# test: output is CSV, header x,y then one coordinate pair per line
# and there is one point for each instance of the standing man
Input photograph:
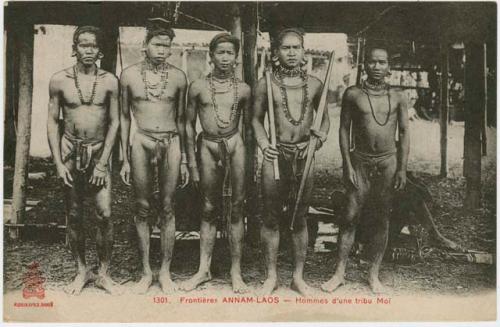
x,y
296,95
154,90
377,166
219,100
88,97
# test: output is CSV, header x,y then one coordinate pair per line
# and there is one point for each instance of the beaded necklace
x,y
279,75
79,90
233,83
366,87
151,89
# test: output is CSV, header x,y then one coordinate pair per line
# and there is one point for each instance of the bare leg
x,y
74,211
300,239
208,228
384,191
104,237
235,226
168,177
142,182
355,201
270,228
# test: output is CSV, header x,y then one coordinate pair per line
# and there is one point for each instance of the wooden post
x,y
236,31
25,48
484,138
474,97
443,121
249,50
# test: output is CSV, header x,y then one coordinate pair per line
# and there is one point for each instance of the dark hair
x,y
87,29
224,37
292,30
376,46
158,26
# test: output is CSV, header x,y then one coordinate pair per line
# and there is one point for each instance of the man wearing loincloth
x,y
218,100
88,97
155,92
376,166
295,96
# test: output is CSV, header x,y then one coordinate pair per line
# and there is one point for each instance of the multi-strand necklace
x,y
366,87
79,90
280,74
232,84
154,90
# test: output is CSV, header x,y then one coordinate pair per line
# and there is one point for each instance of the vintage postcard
x,y
249,161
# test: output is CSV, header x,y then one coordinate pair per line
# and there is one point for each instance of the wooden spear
x,y
270,115
314,140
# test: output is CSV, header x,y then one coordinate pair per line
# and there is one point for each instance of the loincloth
x,y
162,142
292,157
225,163
82,151
372,164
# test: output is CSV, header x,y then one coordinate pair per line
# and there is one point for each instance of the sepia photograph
x,y
256,161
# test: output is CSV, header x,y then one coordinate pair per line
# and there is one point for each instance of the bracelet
x,y
101,170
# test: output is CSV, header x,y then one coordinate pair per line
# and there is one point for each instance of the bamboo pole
x,y
444,112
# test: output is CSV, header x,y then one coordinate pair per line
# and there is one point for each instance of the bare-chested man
x,y
155,92
88,97
295,96
219,100
377,166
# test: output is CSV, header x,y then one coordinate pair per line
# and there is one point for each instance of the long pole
x,y
25,42
443,121
313,140
270,115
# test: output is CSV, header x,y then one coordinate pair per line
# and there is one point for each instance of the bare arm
x,y
181,115
404,135
404,144
345,129
245,110
53,133
125,127
125,117
192,101
181,127
259,113
114,121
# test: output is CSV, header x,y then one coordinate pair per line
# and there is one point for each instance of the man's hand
x,y
195,177
321,136
350,176
64,174
99,175
400,180
184,175
125,172
270,153
319,144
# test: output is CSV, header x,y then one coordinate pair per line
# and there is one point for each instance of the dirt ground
x,y
473,230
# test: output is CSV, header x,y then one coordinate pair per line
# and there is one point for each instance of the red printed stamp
x,y
33,282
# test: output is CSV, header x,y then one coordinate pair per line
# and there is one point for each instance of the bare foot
x,y
166,283
268,287
239,285
377,287
81,279
142,286
106,283
198,279
332,284
299,285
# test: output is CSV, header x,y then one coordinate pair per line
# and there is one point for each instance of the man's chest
x,y
141,89
84,92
